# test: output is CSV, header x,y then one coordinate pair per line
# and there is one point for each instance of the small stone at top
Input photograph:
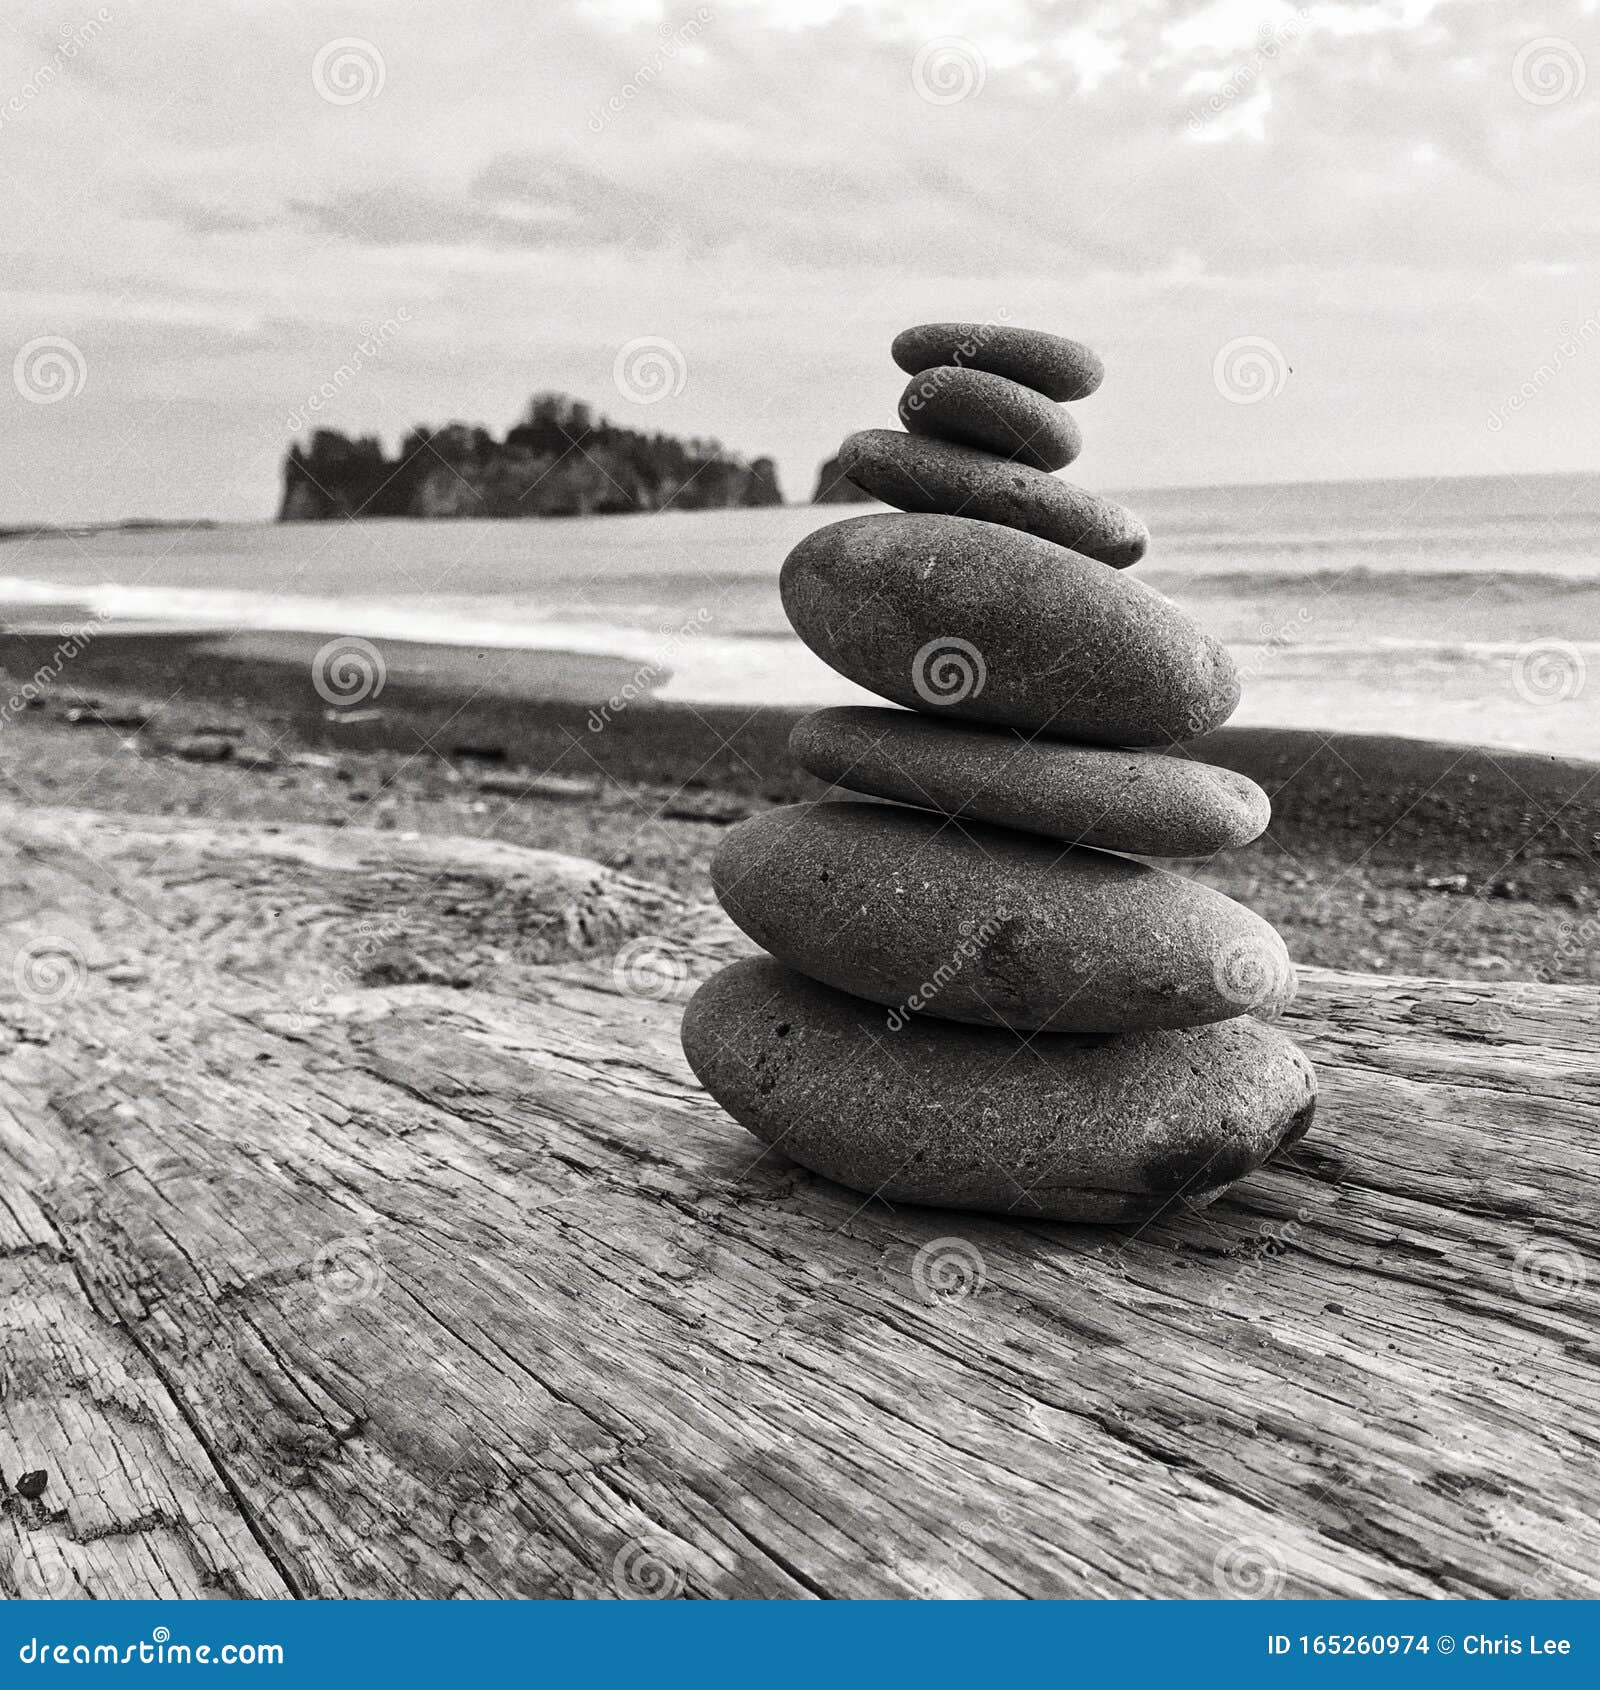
x,y
1049,363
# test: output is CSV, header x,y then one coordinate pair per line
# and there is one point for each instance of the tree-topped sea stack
x,y
976,995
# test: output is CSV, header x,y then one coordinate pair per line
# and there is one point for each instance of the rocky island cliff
x,y
834,487
560,460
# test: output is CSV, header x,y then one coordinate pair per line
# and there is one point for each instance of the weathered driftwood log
x,y
363,1233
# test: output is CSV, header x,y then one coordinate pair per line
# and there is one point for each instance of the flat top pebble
x,y
1049,363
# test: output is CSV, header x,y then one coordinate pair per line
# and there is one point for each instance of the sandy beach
x,y
1384,853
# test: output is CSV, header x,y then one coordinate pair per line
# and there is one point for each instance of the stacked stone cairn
x,y
976,994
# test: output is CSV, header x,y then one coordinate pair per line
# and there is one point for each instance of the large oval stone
x,y
991,414
1057,1125
1134,801
1049,363
975,923
948,615
915,474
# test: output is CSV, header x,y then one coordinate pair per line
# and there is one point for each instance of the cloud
x,y
1374,184
1256,139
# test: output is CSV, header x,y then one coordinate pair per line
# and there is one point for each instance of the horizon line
x,y
18,529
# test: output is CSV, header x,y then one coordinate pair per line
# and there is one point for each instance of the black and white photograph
x,y
800,799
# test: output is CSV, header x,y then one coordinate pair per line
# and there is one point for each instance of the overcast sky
x,y
1338,240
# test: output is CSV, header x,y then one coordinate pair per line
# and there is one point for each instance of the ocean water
x,y
1461,609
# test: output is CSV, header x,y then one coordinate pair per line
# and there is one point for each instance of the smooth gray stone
x,y
968,922
1070,1128
990,414
956,617
916,474
1135,801
1049,363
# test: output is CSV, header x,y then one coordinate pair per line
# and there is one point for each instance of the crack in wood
x,y
463,1290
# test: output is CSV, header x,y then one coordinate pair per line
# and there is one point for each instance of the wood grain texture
x,y
362,1232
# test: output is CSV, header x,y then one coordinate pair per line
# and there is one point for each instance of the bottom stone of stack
x,y
1112,1127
